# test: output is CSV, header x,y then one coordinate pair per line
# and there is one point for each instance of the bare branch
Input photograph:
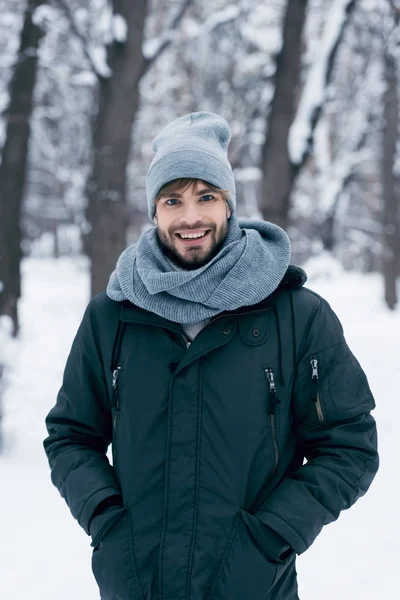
x,y
164,44
78,33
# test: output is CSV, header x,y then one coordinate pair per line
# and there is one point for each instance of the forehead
x,y
197,187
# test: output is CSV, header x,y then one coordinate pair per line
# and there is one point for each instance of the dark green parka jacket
x,y
208,444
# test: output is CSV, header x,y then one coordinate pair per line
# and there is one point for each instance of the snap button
x,y
226,331
256,332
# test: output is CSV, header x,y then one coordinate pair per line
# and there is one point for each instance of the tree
x,y
14,162
391,203
119,65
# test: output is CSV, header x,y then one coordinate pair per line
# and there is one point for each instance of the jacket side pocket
x,y
103,523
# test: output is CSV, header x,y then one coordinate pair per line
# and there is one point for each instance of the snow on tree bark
x,y
313,95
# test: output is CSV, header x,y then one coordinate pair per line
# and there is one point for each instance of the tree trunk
x,y
278,171
391,205
14,163
118,105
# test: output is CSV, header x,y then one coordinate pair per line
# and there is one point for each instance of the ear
x,y
155,218
228,211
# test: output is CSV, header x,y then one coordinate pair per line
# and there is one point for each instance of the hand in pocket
x,y
101,525
246,573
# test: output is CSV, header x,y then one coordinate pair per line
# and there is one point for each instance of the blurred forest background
x,y
310,88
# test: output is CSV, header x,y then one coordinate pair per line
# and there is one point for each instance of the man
x,y
239,418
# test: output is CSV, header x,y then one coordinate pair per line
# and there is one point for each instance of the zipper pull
x,y
271,379
314,366
272,390
115,376
315,380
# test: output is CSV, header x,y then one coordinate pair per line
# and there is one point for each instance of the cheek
x,y
164,224
223,217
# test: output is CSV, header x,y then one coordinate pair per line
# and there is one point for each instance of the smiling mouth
x,y
192,238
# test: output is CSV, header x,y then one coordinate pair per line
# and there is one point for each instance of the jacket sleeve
x,y
80,428
337,434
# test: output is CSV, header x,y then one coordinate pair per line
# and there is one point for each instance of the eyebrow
x,y
199,193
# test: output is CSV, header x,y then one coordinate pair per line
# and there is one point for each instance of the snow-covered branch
x,y
353,152
119,29
96,54
154,48
44,16
221,17
312,99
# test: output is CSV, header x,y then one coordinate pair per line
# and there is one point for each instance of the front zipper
x,y
316,395
273,401
186,339
115,404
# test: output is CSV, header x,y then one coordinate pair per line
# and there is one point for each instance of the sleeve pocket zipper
x,y
316,393
273,402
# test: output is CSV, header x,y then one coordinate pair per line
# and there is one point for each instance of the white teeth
x,y
192,236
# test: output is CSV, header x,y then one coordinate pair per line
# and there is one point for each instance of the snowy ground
x,y
45,555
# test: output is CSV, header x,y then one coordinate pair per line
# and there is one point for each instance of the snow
x,y
84,78
191,27
104,25
44,16
120,29
227,14
151,46
42,546
6,328
98,57
42,541
247,174
314,89
262,28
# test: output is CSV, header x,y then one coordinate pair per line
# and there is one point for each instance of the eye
x,y
207,197
172,201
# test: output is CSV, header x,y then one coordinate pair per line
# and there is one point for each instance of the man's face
x,y
192,224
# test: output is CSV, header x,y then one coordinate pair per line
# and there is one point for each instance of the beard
x,y
191,258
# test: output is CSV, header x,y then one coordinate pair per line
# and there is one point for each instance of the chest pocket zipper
x,y
316,392
115,402
115,406
115,372
273,402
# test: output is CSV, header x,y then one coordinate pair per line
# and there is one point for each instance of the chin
x,y
187,263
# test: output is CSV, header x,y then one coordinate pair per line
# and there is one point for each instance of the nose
x,y
191,213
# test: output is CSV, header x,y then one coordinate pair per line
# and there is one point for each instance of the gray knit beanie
x,y
192,146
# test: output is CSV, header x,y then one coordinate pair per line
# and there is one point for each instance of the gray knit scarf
x,y
249,267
